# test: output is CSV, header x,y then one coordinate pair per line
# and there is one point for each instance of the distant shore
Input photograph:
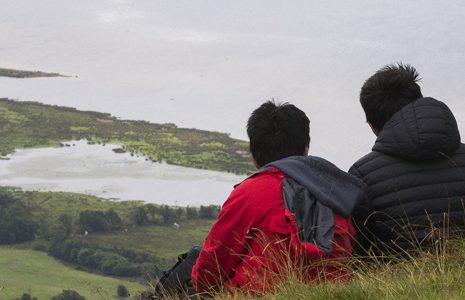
x,y
32,125
27,74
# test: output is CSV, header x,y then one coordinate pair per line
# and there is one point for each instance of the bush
x,y
122,291
168,214
113,219
110,261
66,223
83,257
16,223
153,211
191,212
40,247
98,221
95,261
26,296
208,212
125,268
62,249
93,221
68,295
139,216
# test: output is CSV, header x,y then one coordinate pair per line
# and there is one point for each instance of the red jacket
x,y
255,241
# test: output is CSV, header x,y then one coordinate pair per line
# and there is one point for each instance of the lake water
x,y
208,64
97,170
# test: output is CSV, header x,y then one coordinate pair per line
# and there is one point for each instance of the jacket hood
x,y
327,183
422,130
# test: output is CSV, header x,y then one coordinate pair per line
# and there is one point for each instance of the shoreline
x,y
14,73
96,170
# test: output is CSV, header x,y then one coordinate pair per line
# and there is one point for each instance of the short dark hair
x,y
277,131
387,91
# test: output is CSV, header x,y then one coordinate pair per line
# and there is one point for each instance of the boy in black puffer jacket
x,y
416,171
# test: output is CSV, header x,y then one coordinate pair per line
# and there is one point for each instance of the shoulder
x,y
371,160
376,161
376,167
268,178
266,185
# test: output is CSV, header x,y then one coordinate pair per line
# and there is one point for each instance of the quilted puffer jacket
x,y
416,180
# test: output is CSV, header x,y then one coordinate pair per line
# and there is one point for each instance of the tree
x,y
168,214
66,222
83,256
139,216
208,212
93,221
122,291
113,219
16,222
68,295
179,212
61,231
64,249
153,211
126,268
191,212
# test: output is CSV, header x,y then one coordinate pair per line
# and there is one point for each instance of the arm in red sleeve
x,y
225,244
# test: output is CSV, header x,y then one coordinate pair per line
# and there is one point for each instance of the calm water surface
x,y
97,170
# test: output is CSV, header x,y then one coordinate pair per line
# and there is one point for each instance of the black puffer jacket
x,y
415,177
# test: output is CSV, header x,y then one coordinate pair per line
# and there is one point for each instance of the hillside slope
x,y
27,271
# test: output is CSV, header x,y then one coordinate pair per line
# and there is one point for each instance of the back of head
x,y
277,131
387,91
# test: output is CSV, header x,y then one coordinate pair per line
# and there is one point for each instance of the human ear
x,y
255,162
306,150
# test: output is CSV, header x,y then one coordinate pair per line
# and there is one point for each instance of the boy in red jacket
x,y
291,217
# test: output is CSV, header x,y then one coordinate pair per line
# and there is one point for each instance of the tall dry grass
x,y
436,272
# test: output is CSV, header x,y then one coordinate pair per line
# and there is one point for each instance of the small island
x,y
26,74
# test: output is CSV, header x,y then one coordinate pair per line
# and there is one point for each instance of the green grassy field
x,y
438,274
167,241
27,271
31,124
163,241
49,205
